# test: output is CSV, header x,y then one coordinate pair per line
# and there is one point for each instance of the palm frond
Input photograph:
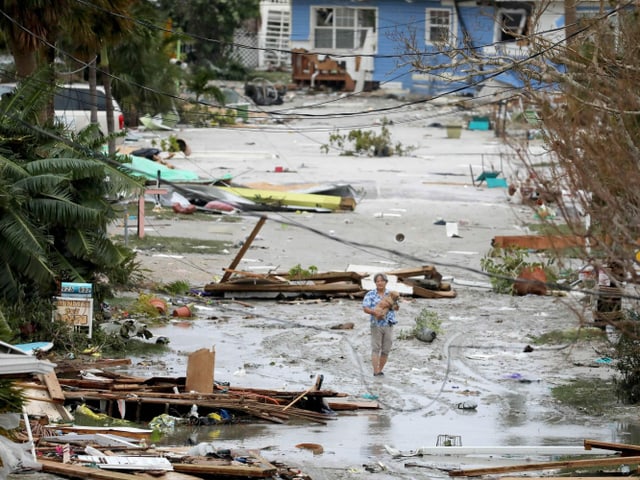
x,y
21,235
11,170
80,243
9,284
73,168
59,210
39,185
61,264
12,398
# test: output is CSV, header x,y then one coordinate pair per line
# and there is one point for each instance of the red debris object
x,y
178,208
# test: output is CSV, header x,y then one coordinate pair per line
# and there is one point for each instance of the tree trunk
x,y
25,60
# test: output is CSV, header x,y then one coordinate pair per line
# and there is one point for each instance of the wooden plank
x,y
53,386
130,462
625,449
425,292
40,404
265,276
327,276
200,368
244,248
292,288
426,270
78,471
335,404
314,387
558,451
538,242
596,462
217,468
138,434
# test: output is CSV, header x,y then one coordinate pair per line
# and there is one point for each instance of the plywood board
x,y
200,371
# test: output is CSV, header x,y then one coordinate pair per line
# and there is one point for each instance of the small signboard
x,y
72,289
75,305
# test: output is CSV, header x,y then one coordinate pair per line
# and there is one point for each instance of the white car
x,y
72,104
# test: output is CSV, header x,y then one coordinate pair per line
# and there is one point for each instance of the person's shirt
x,y
370,300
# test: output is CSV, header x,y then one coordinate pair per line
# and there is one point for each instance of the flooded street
x,y
476,360
479,357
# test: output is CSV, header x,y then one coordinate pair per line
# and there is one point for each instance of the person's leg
x,y
386,341
382,361
376,347
375,363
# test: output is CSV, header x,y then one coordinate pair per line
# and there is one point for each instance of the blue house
x,y
370,44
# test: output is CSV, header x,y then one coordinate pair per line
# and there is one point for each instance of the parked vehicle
x,y
72,104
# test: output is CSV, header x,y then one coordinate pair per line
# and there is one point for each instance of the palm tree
x,y
54,207
92,28
28,26
145,80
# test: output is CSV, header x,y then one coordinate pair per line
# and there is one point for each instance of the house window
x,y
344,28
438,25
511,24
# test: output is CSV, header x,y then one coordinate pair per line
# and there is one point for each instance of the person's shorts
x,y
381,339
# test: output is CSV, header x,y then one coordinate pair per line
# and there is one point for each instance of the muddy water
x,y
476,360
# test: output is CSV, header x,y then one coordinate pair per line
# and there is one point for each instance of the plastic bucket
x,y
183,312
454,131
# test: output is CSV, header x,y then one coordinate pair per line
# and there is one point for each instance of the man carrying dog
x,y
381,325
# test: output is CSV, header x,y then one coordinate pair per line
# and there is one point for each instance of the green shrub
x,y
366,142
505,264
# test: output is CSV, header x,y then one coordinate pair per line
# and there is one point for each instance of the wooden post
x,y
148,191
140,216
243,250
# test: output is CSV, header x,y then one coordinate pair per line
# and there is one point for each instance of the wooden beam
x,y
624,449
78,471
324,288
426,270
538,242
243,249
53,386
420,291
574,464
215,468
316,386
148,191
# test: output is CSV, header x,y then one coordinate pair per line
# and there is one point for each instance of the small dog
x,y
387,303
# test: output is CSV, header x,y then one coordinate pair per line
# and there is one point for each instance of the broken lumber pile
x,y
425,282
236,463
139,399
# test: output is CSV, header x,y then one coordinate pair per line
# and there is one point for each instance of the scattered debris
x,y
309,70
263,92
